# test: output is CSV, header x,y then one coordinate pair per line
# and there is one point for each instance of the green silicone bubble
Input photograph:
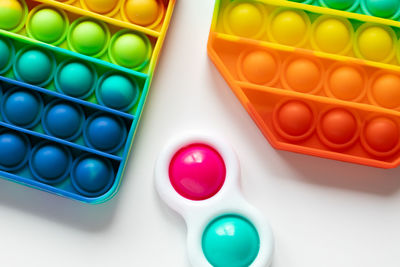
x,y
130,50
5,54
33,66
230,241
47,25
11,14
88,37
117,92
382,8
340,4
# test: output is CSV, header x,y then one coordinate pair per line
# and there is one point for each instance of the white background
x,y
324,213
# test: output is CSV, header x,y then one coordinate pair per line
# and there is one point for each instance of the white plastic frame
x,y
229,200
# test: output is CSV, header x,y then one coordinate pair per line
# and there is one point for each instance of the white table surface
x,y
324,213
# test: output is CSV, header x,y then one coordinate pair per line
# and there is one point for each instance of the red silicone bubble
x,y
197,172
382,135
294,120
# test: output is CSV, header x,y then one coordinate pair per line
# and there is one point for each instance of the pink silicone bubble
x,y
197,172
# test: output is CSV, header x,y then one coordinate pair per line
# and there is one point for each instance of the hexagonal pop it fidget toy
x,y
317,80
198,176
74,77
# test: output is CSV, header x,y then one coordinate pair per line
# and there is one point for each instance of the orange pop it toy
x,y
316,80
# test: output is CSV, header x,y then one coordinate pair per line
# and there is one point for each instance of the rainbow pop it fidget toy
x,y
74,77
198,177
319,77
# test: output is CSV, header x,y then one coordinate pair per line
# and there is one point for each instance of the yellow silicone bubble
x,y
142,12
289,27
11,14
376,43
101,6
332,35
244,19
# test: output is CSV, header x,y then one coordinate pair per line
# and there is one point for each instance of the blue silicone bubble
x,y
50,163
21,107
105,132
117,91
34,66
14,150
92,176
84,79
6,52
63,120
230,240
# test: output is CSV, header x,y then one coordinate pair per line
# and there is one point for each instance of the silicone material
x,y
74,77
318,81
149,16
85,34
230,240
388,9
197,172
198,177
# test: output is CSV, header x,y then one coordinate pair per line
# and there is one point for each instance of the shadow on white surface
x,y
60,210
326,172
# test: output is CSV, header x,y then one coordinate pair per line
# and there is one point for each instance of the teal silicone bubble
x,y
230,240
84,79
6,55
130,50
88,37
117,91
347,5
34,66
12,14
381,8
47,24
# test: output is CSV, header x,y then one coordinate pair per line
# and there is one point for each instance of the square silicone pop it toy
x,y
198,177
74,77
321,77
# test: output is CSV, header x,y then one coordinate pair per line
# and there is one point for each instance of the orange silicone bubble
x,y
294,120
385,90
315,80
345,82
302,75
381,136
258,67
338,128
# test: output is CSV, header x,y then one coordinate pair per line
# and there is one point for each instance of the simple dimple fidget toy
x,y
198,176
74,77
320,77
